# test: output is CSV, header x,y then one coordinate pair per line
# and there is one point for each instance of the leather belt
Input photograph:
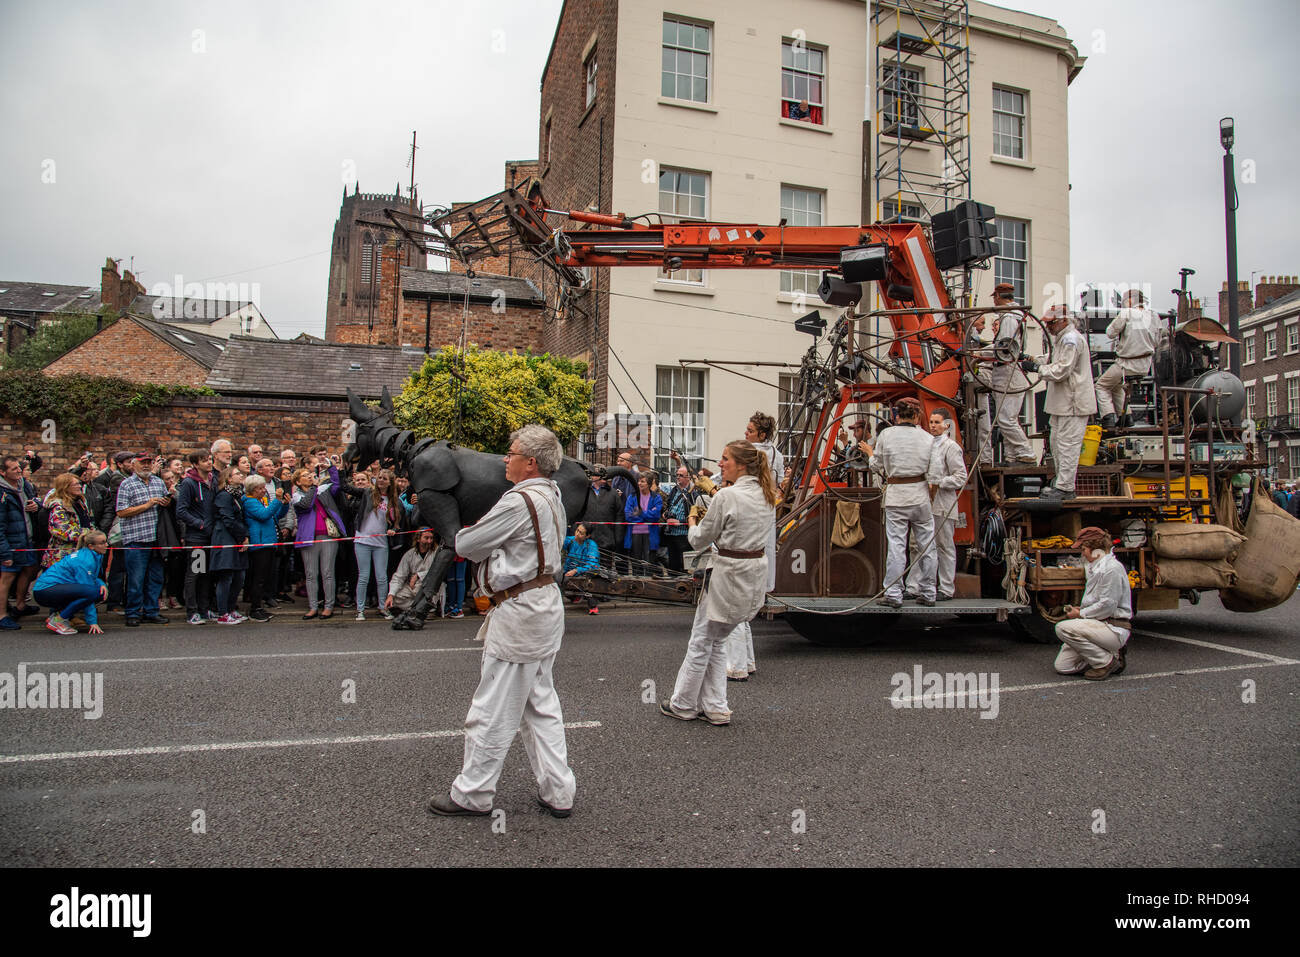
x,y
904,479
737,553
514,591
1124,623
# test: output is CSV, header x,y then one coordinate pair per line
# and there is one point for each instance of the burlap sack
x,y
848,525
1187,540
1193,573
1268,564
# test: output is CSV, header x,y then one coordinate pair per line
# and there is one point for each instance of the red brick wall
x,y
1274,287
579,171
128,350
518,328
186,426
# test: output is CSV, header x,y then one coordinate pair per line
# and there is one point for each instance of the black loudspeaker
x,y
864,263
834,291
964,234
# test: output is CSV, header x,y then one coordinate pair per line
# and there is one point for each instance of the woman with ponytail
x,y
738,523
760,431
72,585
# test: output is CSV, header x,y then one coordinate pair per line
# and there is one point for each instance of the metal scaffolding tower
x,y
922,115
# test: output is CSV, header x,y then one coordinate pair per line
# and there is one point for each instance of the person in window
x,y
800,110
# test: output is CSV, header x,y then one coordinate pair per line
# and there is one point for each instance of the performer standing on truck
x,y
902,455
738,522
1071,398
1008,386
1134,331
1096,631
947,477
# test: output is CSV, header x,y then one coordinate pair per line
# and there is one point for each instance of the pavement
x,y
297,743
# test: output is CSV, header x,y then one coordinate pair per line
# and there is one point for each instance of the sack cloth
x,y
1194,573
1268,564
848,525
1188,540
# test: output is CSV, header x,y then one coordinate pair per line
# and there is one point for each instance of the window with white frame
x,y
1270,399
589,68
789,423
1294,455
1292,396
1293,338
1250,401
1248,349
891,210
686,60
802,207
900,90
1270,344
679,416
803,82
1012,262
1008,123
683,195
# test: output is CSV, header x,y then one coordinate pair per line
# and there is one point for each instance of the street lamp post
x,y
1226,136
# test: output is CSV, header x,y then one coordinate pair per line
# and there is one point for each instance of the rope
x,y
1013,582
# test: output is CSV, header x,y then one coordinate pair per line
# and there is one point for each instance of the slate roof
x,y
288,367
482,288
203,349
1281,306
169,309
36,297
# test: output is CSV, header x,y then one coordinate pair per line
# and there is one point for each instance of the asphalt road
x,y
1166,765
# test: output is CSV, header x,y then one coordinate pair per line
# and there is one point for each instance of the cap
x,y
1003,289
910,404
1093,537
120,457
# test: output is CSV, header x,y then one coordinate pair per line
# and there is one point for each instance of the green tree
x,y
497,392
53,339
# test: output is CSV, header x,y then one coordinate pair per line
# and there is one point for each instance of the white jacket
x,y
528,627
947,471
738,518
1070,390
901,451
1135,332
1107,593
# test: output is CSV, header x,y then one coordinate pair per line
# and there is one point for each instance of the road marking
x,y
250,745
286,654
1228,648
1083,682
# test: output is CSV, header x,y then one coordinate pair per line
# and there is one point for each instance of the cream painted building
x,y
692,103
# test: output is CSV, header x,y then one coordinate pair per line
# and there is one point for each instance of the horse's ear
x,y
357,409
386,401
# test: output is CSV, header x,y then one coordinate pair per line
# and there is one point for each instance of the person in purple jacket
x,y
642,511
320,524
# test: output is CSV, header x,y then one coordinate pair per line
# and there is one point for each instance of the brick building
x,y
142,350
25,306
1270,369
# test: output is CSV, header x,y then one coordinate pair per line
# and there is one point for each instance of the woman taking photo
x,y
320,523
69,517
642,512
738,522
376,521
263,507
228,563
72,585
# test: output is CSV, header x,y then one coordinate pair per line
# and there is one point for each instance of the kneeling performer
x,y
1095,632
738,522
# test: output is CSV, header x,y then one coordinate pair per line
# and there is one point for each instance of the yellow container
x,y
1091,442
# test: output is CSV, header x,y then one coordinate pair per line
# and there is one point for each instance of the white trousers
x,y
1110,391
945,558
702,679
1087,641
514,696
1015,444
1067,441
740,651
898,519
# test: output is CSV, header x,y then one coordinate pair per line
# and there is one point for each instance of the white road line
x,y
286,654
1084,683
1228,648
249,745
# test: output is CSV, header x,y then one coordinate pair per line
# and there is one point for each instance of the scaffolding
x,y
922,109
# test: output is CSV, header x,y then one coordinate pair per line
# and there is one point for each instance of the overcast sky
x,y
212,140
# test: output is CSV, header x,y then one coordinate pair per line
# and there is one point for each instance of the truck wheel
x,y
842,630
1037,625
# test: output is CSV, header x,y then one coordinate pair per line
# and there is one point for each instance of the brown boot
x,y
1104,672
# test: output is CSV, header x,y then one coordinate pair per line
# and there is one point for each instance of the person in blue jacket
x,y
581,554
262,509
642,512
72,585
